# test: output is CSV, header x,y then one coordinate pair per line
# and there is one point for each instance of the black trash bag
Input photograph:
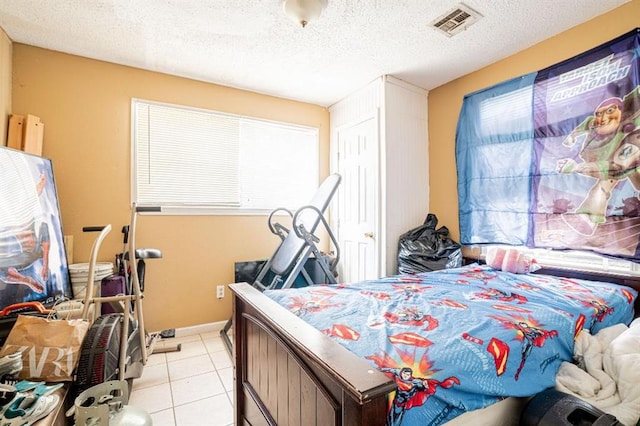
x,y
425,249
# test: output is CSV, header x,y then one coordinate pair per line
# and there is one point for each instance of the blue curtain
x,y
552,158
494,160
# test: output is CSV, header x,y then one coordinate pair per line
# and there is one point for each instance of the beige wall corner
x,y
5,82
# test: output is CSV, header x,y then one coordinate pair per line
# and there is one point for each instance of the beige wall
x,y
5,84
85,105
447,99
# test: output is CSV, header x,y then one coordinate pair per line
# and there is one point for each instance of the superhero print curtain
x,y
552,159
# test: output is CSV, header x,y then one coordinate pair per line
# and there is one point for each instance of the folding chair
x,y
298,245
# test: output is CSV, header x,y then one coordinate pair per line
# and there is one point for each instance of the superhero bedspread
x,y
460,339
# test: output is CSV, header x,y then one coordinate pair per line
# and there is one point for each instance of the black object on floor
x,y
165,334
555,408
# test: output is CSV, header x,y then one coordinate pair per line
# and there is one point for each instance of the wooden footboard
x,y
289,373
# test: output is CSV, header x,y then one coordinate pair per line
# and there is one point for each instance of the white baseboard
x,y
212,327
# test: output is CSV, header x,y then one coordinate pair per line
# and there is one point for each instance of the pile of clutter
x,y
23,402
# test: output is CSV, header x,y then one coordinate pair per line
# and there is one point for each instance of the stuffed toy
x,y
510,260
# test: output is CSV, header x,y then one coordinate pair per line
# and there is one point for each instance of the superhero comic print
x,y
460,339
568,143
33,262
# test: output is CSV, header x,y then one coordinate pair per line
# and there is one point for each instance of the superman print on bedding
x,y
460,339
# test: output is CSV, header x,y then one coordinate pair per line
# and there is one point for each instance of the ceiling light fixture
x,y
303,11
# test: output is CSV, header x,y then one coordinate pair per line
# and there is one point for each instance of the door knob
x,y
368,235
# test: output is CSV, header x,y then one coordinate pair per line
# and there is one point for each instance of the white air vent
x,y
456,20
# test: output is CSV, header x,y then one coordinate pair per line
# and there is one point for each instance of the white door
x,y
357,201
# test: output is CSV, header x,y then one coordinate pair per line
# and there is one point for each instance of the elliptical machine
x,y
117,345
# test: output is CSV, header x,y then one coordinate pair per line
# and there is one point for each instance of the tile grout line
x,y
171,382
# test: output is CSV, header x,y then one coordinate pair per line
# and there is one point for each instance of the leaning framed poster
x,y
33,262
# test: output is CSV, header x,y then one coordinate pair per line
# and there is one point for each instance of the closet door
x,y
357,146
379,146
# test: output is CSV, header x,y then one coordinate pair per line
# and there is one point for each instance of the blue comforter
x,y
460,339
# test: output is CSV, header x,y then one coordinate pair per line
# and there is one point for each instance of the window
x,y
537,168
507,113
494,141
189,160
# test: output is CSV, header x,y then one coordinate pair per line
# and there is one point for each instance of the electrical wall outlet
x,y
220,293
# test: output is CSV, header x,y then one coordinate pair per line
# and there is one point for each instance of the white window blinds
x,y
191,158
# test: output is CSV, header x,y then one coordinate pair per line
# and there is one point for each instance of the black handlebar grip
x,y
92,228
125,231
148,209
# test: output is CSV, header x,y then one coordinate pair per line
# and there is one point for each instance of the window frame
x,y
314,164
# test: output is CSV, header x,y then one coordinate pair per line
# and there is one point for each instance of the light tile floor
x,y
192,387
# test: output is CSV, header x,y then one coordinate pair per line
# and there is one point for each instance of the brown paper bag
x,y
50,347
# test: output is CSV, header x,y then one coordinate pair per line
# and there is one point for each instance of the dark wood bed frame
x,y
289,373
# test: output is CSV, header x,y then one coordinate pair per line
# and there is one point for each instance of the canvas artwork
x,y
33,263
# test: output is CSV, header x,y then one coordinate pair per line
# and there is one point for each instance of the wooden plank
x,y
326,414
15,131
33,135
282,387
272,371
263,384
250,412
240,363
295,393
250,367
308,401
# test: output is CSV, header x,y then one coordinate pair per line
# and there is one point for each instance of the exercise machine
x,y
297,246
117,345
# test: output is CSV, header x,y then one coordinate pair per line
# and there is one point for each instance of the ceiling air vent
x,y
456,20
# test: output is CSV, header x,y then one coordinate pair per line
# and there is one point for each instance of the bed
x,y
471,345
336,355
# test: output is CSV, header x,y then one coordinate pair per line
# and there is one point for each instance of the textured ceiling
x,y
252,45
